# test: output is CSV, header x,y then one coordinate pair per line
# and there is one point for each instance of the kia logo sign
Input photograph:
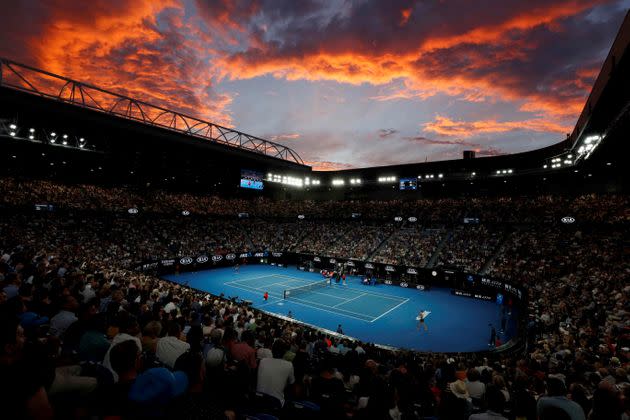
x,y
185,213
230,257
186,260
350,263
133,210
332,260
403,284
317,259
277,254
413,219
217,258
388,282
568,220
434,273
420,287
301,216
202,259
398,219
412,271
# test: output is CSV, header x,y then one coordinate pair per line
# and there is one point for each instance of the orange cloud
x,y
445,126
135,49
405,14
319,165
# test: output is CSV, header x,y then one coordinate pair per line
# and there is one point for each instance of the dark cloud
x,y
386,132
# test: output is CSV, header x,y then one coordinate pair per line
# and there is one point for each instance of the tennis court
x,y
338,299
377,314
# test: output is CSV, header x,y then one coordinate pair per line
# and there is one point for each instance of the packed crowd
x,y
585,208
459,253
85,337
412,245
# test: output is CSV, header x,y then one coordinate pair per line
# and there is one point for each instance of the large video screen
x,y
251,179
408,184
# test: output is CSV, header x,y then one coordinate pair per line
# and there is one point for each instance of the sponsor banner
x,y
467,293
149,266
245,255
301,268
317,259
231,257
260,254
350,264
273,263
404,284
301,216
133,210
388,282
389,268
168,263
186,261
312,270
202,259
412,271
369,265
277,254
420,286
332,260
413,219
217,258
568,220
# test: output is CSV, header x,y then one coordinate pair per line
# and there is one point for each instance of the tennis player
x,y
266,296
237,268
421,317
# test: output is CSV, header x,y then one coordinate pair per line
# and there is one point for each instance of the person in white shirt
x,y
475,387
169,348
275,374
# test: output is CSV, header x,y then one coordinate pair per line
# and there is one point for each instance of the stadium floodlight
x,y
31,137
568,162
53,134
570,156
440,175
65,136
82,140
13,127
12,133
474,173
81,146
65,142
338,182
499,172
53,141
608,164
31,130
510,171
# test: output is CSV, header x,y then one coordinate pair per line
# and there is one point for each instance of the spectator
x,y
169,348
556,399
275,374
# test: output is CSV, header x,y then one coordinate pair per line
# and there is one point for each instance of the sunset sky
x,y
344,83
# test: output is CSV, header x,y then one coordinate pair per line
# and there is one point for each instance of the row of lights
x,y
355,181
387,179
291,180
430,176
503,171
588,146
52,138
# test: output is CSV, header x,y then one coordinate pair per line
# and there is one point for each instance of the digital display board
x,y
251,179
408,184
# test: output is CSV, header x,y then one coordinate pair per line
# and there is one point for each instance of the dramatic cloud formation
x,y
338,70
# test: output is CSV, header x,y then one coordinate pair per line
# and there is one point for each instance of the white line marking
x,y
251,278
382,315
294,300
349,300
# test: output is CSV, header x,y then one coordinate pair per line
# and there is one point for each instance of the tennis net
x,y
296,291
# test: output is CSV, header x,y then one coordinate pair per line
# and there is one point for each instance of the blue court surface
x,y
379,314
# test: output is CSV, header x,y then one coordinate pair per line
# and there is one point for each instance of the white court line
x,y
349,300
382,315
250,278
350,288
293,300
310,305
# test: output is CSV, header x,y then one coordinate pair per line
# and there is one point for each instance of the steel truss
x,y
39,82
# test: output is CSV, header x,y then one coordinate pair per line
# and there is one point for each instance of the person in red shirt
x,y
266,296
